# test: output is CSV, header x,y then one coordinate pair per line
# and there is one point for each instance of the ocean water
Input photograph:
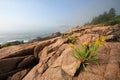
x,y
26,36
9,37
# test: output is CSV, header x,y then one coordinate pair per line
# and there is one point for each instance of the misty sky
x,y
29,15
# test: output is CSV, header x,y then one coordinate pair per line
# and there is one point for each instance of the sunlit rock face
x,y
54,59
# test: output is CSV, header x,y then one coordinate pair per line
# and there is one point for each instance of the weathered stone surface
x,y
56,45
15,51
19,75
108,68
52,74
41,46
37,71
26,61
50,50
89,76
87,38
112,69
111,38
42,66
57,61
69,63
31,75
9,64
6,76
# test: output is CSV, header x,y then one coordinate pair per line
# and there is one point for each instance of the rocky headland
x,y
53,59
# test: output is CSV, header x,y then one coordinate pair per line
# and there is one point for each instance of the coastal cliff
x,y
53,59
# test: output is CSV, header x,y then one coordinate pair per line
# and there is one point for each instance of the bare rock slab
x,y
69,63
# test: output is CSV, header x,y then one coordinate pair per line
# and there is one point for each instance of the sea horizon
x,y
28,35
10,37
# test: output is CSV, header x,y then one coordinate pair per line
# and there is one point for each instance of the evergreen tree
x,y
112,13
104,17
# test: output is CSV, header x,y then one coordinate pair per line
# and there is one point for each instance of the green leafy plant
x,y
72,39
87,54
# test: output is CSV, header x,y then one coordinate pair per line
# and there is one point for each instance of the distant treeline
x,y
107,18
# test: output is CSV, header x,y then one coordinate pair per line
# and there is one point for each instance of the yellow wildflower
x,y
71,45
100,41
97,41
103,38
86,43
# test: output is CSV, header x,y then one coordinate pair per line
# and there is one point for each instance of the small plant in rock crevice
x,y
88,53
72,39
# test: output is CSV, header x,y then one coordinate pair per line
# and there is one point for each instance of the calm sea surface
x,y
20,36
25,36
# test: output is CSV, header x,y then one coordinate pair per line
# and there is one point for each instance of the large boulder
x,y
14,58
70,64
8,66
56,34
35,40
14,51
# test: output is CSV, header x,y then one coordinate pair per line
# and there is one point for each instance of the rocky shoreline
x,y
53,35
53,59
